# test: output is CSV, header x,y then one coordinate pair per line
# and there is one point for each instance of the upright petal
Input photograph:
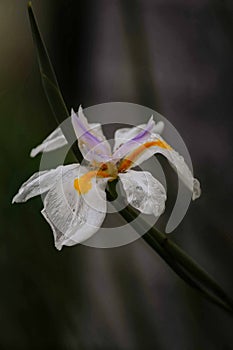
x,y
54,141
91,141
40,183
73,215
144,192
126,134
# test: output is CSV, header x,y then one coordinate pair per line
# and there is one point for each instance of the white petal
x,y
196,189
95,128
125,134
179,165
91,140
156,144
144,192
40,183
73,217
54,141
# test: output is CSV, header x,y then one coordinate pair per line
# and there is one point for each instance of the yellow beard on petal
x,y
127,162
83,184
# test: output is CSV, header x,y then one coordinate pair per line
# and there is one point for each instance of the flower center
x,y
109,169
83,184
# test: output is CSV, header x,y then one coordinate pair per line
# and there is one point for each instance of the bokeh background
x,y
174,56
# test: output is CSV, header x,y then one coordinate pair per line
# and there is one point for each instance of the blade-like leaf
x,y
180,262
175,257
51,86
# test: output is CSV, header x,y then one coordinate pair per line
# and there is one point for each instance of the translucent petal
x,y
138,152
54,141
179,165
126,134
91,140
40,182
144,192
74,217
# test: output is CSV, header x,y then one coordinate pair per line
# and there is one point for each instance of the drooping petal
x,y
54,141
73,215
57,139
126,134
139,152
40,183
144,192
91,141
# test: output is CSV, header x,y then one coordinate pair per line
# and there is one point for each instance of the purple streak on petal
x,y
81,131
146,131
137,140
96,149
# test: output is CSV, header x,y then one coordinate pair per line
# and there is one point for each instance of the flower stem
x,y
177,259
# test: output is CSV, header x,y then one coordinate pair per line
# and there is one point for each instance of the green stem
x,y
180,262
174,256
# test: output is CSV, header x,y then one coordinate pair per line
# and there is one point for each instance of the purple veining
x,y
85,133
145,131
93,144
137,140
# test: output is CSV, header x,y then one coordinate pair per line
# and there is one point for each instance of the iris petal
x,y
127,137
40,183
138,151
91,141
74,217
144,192
54,141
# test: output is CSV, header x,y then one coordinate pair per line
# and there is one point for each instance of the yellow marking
x,y
127,162
83,183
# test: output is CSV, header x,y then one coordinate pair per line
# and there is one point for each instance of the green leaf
x,y
179,261
182,264
50,85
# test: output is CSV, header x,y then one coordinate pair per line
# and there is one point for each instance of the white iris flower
x,y
75,200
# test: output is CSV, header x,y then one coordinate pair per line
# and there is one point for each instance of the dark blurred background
x,y
174,56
